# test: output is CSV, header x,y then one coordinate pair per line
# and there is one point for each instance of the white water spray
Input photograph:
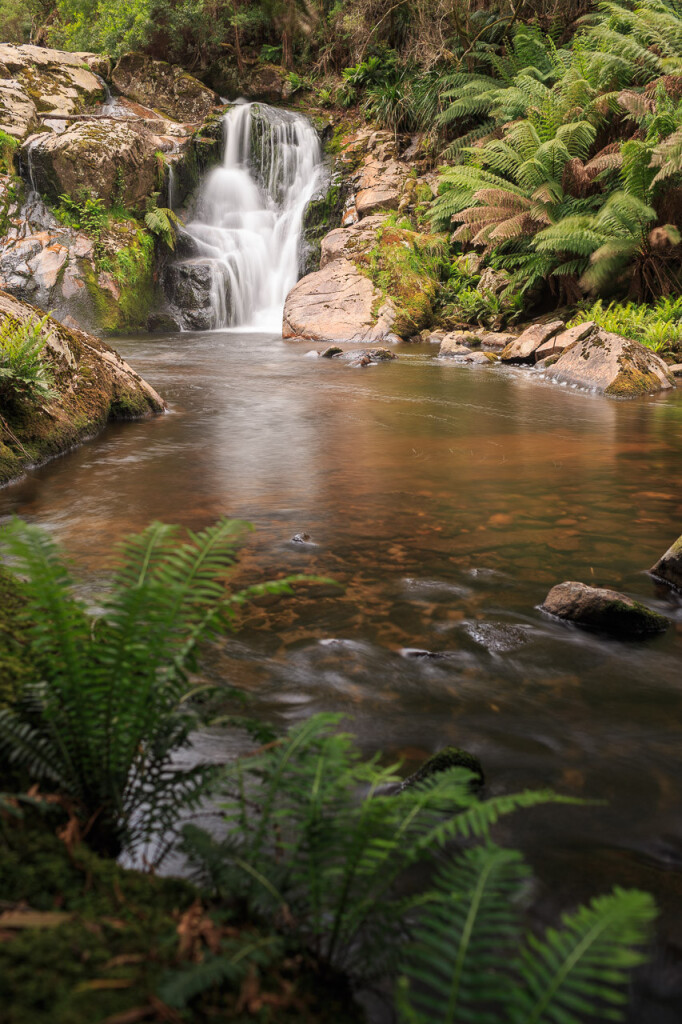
x,y
249,217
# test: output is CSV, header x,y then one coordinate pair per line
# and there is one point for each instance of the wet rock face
x,y
604,610
164,87
188,286
612,365
114,160
669,566
36,79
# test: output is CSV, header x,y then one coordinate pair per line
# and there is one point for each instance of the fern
x,y
301,848
108,713
465,963
161,221
25,376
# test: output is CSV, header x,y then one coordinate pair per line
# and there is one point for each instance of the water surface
x,y
448,500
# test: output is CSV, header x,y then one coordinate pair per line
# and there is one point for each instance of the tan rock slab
x,y
612,365
338,303
560,342
522,349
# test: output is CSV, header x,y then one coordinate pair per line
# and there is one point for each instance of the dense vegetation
x,y
304,887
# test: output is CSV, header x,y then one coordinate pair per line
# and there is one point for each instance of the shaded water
x,y
448,499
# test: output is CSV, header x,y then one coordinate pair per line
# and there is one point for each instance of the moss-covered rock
x,y
92,383
442,761
164,87
112,160
612,365
606,610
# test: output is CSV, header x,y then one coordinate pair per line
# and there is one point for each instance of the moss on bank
x,y
110,944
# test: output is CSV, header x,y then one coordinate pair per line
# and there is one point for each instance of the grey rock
x,y
523,348
669,565
612,365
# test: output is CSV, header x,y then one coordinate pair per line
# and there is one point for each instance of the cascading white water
x,y
248,221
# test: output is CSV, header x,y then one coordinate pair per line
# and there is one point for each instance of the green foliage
x,y
104,26
83,211
302,849
658,326
161,221
106,712
25,376
8,148
471,961
15,666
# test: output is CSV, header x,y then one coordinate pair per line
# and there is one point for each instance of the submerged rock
x,y
92,385
603,609
448,757
612,365
165,87
669,565
332,351
371,357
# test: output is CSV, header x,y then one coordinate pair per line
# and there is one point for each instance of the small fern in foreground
x,y
24,373
470,960
105,714
305,849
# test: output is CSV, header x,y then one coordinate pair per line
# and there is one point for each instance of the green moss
x,y
132,269
118,943
15,668
406,266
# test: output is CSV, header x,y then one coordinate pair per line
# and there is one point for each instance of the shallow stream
x,y
448,500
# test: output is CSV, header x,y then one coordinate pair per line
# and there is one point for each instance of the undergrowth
x,y
658,326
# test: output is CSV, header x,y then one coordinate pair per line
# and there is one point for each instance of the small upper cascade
x,y
249,216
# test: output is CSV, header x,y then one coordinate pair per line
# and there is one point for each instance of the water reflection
x,y
447,500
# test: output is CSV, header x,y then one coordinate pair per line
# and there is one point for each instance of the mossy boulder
x,y
37,79
92,383
112,160
167,88
605,610
612,365
669,565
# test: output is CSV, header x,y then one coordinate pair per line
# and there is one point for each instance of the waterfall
x,y
248,220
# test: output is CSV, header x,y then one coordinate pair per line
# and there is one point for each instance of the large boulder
x,y
338,303
165,87
347,243
92,385
612,365
669,565
523,348
602,609
36,79
109,159
558,343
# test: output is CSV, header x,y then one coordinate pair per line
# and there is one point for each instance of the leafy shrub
x,y
302,849
470,960
270,54
658,326
24,374
83,211
106,712
161,221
